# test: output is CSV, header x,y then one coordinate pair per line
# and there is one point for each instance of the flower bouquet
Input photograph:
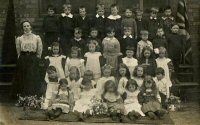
x,y
31,102
174,103
99,108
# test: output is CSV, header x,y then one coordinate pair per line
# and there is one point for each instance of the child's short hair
x,y
51,69
135,71
78,30
82,7
51,7
55,44
69,6
100,6
144,32
106,67
131,82
127,28
160,70
109,30
93,29
76,49
86,82
63,81
167,8
88,73
114,5
154,10
163,49
139,12
131,48
128,8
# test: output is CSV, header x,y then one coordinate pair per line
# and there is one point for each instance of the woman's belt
x,y
27,53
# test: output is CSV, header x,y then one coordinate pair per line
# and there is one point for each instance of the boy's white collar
x,y
114,17
130,36
65,15
97,16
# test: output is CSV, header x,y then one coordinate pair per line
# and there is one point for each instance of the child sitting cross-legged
x,y
131,104
62,102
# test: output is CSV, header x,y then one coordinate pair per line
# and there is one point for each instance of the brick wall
x,y
29,9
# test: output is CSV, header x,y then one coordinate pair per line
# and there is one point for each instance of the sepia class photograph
x,y
99,62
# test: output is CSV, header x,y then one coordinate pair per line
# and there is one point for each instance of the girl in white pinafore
x,y
165,63
57,60
131,102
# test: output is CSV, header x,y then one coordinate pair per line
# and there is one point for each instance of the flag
x,y
9,54
182,20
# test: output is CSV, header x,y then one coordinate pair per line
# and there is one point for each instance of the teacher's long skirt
x,y
27,79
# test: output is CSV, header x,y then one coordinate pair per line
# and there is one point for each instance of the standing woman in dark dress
x,y
29,50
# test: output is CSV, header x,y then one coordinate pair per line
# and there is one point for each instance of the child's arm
x,y
124,96
102,60
82,67
67,68
140,98
135,29
138,51
117,47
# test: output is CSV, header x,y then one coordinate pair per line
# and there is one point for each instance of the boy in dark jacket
x,y
153,23
99,21
83,21
66,27
50,27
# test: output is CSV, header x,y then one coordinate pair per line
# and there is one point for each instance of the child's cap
x,y
144,32
154,10
139,12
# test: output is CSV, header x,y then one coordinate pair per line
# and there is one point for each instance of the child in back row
x,y
111,48
143,43
75,60
93,59
129,21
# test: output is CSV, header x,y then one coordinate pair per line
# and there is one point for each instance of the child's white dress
x,y
101,83
56,61
75,87
131,63
84,103
122,84
163,62
93,63
79,63
63,95
131,103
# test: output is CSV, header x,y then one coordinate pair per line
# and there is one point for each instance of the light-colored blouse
x,y
29,42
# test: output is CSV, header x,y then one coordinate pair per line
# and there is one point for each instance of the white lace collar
x,y
114,17
171,17
97,16
130,36
65,15
155,18
77,39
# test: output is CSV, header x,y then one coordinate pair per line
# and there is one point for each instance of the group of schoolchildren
x,y
121,60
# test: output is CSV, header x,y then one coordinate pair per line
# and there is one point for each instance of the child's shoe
x,y
131,116
137,115
151,115
161,113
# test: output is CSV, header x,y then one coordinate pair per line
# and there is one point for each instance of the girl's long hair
x,y
149,49
77,73
135,71
75,49
109,84
143,87
127,75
